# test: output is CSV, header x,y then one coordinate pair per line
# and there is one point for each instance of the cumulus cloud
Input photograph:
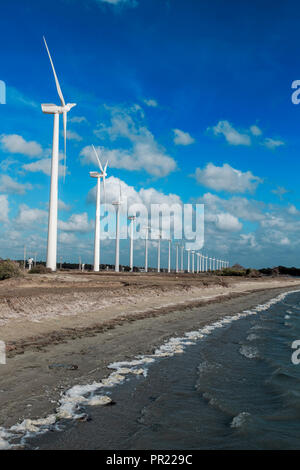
x,y
226,178
228,222
245,137
4,208
78,119
128,3
29,217
76,223
42,166
11,186
232,136
255,130
151,103
182,138
272,143
71,135
144,152
14,143
280,191
293,210
63,206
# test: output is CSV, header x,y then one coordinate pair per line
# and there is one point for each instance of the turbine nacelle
x,y
49,108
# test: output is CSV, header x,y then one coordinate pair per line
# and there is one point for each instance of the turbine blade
x,y
55,76
104,188
65,142
105,168
98,159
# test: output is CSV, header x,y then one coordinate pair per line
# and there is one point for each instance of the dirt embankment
x,y
39,310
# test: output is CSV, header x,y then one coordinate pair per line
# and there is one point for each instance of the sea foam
x,y
71,401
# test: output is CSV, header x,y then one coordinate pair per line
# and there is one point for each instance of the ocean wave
x,y
241,420
252,337
250,352
72,400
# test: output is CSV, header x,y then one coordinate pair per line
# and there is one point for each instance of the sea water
x,y
231,385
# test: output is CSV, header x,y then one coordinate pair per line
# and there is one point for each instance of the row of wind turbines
x,y
203,263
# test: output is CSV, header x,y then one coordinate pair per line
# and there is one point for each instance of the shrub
x,y
9,269
40,269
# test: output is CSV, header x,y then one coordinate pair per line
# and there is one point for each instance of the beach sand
x,y
89,321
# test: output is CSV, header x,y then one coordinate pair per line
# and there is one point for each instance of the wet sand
x,y
90,321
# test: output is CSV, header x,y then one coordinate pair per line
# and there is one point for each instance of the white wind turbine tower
x,y
96,174
169,256
132,219
177,257
158,251
181,261
201,263
146,247
197,263
193,262
117,204
56,111
206,258
188,250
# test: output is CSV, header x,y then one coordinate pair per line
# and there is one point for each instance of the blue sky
x,y
191,102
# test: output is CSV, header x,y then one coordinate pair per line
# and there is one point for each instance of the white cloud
x,y
151,103
28,217
245,136
255,130
280,191
4,208
232,136
8,185
228,222
129,3
17,144
71,135
67,238
76,223
226,178
78,119
143,196
293,210
182,138
144,152
63,206
42,166
272,144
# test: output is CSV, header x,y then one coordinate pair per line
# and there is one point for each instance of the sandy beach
x,y
64,329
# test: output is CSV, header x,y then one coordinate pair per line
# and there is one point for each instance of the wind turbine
x,y
177,257
52,221
188,252
193,262
146,247
181,261
98,175
169,256
132,219
117,204
158,251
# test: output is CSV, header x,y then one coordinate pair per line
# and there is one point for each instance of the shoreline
x,y
29,389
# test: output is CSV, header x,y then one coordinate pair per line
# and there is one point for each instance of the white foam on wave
x,y
71,401
240,420
249,351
